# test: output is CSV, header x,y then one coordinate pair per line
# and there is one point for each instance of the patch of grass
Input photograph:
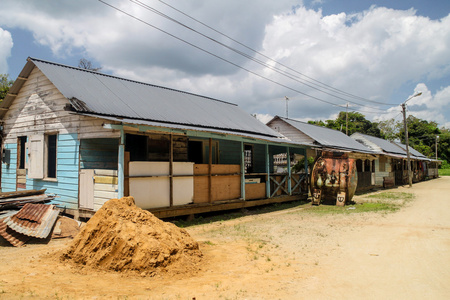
x,y
444,172
380,202
392,196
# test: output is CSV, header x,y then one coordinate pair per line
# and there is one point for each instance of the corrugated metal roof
x,y
328,137
412,151
391,148
277,140
92,92
34,220
385,145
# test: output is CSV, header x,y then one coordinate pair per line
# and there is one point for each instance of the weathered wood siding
x,y
289,131
40,108
105,187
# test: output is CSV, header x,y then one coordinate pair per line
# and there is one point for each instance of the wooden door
x,y
86,194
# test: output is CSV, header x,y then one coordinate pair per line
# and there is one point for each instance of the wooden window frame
x,y
54,157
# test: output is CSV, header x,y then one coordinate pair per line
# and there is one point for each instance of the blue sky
x,y
382,51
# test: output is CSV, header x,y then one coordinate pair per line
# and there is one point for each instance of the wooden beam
x,y
267,172
288,158
171,169
219,206
242,171
121,163
210,171
205,134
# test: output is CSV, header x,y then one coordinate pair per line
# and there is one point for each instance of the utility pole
x,y
437,138
346,120
407,145
406,137
287,111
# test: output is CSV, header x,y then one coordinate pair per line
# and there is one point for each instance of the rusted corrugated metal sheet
x,y
14,238
35,220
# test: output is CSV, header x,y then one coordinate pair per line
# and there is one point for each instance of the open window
x,y
42,152
50,146
21,149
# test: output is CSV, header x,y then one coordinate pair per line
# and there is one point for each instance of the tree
x,y
356,123
390,129
87,64
422,137
5,84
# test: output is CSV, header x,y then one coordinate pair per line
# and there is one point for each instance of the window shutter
x,y
36,157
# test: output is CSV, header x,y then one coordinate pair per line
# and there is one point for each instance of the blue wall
x,y
66,185
9,170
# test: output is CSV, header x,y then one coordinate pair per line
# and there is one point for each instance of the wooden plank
x,y
126,172
106,179
255,191
105,195
201,192
226,187
101,172
216,169
210,207
210,195
105,187
171,169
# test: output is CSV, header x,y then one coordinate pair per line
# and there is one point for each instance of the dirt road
x,y
289,254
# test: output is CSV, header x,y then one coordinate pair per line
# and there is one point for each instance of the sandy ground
x,y
288,254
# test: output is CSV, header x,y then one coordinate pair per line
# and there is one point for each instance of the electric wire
x,y
264,64
232,63
312,80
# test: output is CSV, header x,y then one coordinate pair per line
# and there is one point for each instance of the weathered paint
x,y
9,170
66,184
121,165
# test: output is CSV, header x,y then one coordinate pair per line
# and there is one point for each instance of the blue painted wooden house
x,y
88,137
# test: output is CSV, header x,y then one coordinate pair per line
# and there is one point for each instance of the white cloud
x,y
371,54
6,44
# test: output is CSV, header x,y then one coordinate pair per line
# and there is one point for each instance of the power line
x,y
313,81
228,61
264,64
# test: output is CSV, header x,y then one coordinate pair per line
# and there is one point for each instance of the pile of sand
x,y
122,237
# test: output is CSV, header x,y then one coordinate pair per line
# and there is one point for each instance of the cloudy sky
x,y
321,54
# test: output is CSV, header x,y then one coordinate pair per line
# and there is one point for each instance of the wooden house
x,y
88,137
330,140
391,165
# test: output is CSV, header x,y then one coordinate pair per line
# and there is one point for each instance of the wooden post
x,y
210,171
306,172
268,172
288,158
242,171
121,175
126,171
171,169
